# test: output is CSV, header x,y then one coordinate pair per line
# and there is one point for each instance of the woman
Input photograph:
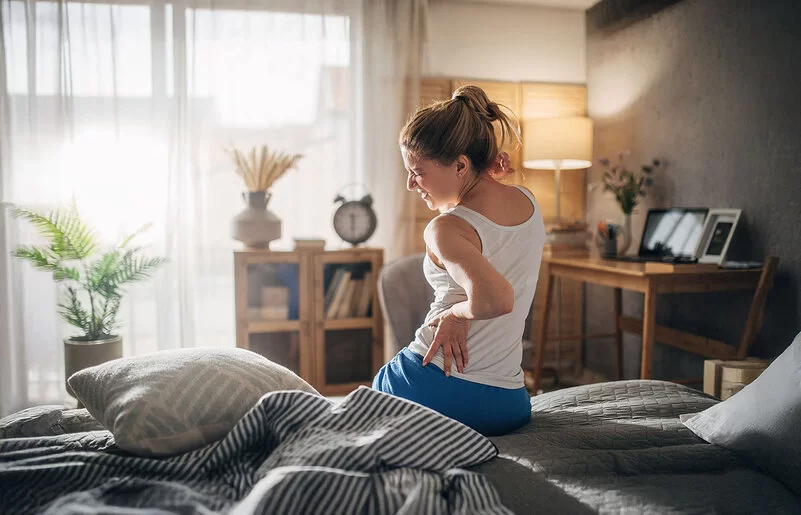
x,y
483,258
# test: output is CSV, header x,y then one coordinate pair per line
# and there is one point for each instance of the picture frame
x,y
719,228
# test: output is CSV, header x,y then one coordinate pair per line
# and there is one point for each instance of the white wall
x,y
506,43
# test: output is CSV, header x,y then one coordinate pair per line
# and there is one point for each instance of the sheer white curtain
x,y
127,107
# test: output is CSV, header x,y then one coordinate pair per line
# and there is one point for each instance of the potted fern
x,y
94,281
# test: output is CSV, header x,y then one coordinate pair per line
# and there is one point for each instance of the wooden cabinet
x,y
301,309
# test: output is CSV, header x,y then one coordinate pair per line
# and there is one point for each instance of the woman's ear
x,y
462,164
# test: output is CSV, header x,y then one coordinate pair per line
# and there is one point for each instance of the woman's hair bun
x,y
478,101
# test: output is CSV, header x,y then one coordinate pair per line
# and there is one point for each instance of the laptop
x,y
670,235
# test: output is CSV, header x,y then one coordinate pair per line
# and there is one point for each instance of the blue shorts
x,y
490,410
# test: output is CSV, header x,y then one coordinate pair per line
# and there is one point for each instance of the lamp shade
x,y
552,143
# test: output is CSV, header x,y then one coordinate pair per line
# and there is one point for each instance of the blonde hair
x,y
462,125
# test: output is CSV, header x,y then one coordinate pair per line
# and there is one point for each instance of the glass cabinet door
x,y
272,314
347,325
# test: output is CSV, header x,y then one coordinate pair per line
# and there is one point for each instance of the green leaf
x,y
103,268
40,257
70,238
133,268
73,313
66,272
44,258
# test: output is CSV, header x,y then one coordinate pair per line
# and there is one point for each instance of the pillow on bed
x,y
762,422
174,401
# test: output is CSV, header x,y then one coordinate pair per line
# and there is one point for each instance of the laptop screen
x,y
672,232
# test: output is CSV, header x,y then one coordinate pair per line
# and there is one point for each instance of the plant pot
x,y
256,226
79,354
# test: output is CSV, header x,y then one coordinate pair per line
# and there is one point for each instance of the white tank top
x,y
494,347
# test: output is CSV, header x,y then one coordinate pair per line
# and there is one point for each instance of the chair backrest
x,y
405,297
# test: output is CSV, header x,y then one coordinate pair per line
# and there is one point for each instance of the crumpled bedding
x,y
294,452
47,420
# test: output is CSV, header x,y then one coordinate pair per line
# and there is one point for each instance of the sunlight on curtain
x,y
128,108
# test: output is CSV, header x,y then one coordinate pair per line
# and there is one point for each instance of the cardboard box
x,y
736,373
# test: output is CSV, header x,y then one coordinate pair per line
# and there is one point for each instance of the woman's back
x,y
483,260
510,233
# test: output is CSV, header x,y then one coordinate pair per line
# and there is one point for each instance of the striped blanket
x,y
292,453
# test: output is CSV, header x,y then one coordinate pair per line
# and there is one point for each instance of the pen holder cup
x,y
609,248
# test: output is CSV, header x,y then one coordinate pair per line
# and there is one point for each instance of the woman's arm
x,y
457,246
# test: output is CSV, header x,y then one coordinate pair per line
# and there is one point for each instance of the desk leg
x,y
648,332
546,311
618,310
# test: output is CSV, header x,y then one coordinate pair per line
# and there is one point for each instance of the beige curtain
x,y
128,105
393,63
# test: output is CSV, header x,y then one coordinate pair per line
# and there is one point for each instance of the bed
x,y
620,447
616,447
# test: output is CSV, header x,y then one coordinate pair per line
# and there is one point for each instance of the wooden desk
x,y
653,279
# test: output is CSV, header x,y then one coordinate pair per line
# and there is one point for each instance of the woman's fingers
x,y
457,356
432,351
448,358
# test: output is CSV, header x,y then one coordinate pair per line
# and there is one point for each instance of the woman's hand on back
x,y
451,335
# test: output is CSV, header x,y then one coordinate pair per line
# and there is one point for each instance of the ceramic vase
x,y
625,236
256,226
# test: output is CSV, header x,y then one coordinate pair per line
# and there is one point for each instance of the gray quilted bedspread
x,y
620,447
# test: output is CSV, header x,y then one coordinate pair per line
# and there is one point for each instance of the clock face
x,y
354,221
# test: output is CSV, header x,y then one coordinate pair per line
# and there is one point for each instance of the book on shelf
x,y
344,307
330,292
339,295
365,295
353,307
309,244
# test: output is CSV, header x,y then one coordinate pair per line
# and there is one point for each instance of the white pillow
x,y
174,401
762,422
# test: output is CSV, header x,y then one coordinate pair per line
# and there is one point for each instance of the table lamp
x,y
558,144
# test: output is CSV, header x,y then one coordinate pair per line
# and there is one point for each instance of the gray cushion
x,y
405,297
761,422
174,401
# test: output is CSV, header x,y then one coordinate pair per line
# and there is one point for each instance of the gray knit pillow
x,y
175,401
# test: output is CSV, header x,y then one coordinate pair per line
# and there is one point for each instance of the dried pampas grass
x,y
261,167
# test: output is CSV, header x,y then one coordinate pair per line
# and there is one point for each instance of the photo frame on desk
x,y
716,236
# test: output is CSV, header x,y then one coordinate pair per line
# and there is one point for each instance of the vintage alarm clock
x,y
355,220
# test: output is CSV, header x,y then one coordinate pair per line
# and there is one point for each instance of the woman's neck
x,y
472,187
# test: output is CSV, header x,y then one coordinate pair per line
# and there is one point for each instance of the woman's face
x,y
437,184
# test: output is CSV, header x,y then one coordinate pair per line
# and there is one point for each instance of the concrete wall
x,y
506,43
713,88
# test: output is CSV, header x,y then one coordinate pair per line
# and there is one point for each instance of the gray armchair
x,y
405,297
